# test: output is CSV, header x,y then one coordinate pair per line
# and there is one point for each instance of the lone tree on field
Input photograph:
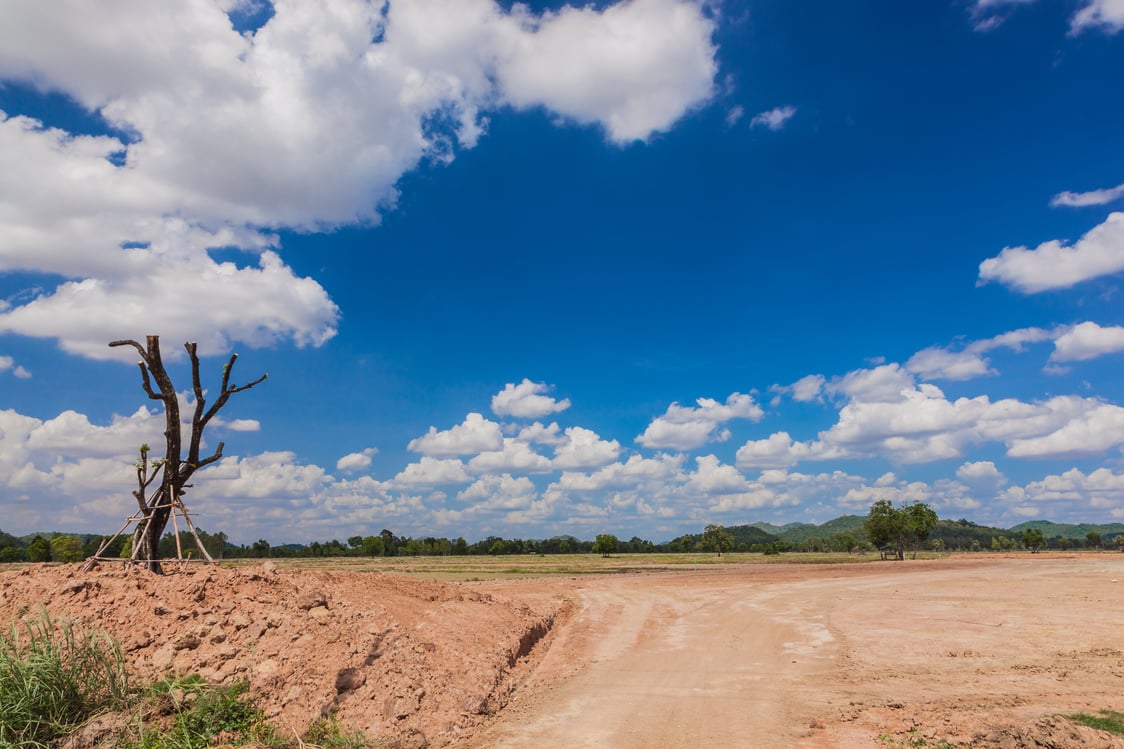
x,y
605,544
1033,539
716,538
898,527
174,470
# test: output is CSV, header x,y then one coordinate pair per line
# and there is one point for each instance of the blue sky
x,y
533,270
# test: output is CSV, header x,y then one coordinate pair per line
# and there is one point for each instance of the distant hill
x,y
780,530
1069,530
843,524
749,535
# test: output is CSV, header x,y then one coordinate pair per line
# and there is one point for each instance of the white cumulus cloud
x,y
475,435
1056,265
1088,340
685,427
353,462
527,400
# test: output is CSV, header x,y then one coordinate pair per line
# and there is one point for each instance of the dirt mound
x,y
1047,733
389,655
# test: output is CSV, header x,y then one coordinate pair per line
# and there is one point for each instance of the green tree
x,y
1033,539
716,538
1093,540
14,554
899,527
39,550
260,548
605,544
66,549
1120,541
372,546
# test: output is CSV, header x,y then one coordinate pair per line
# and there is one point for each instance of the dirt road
x,y
790,656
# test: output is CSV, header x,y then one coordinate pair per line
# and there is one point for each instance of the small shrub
x,y
914,740
197,713
53,677
327,733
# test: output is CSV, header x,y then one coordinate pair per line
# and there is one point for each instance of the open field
x,y
981,650
515,566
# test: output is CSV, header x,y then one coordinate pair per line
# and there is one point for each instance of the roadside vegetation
x,y
1105,720
57,678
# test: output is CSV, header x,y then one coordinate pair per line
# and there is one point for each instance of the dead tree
x,y
174,470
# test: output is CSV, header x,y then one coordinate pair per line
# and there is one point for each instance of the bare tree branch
x,y
174,472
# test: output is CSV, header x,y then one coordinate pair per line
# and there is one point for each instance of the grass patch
x,y
192,713
914,740
1105,720
55,676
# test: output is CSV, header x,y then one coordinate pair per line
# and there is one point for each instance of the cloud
x,y
685,428
885,418
1054,265
527,400
498,493
542,435
1083,199
268,474
941,364
1087,340
239,425
778,450
8,363
981,472
432,472
514,457
1107,15
712,477
804,390
475,435
635,67
884,383
1092,430
937,363
342,94
987,15
774,119
583,449
354,462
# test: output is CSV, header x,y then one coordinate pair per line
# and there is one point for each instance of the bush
x,y
196,713
54,677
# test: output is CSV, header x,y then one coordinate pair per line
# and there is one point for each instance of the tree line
x,y
912,527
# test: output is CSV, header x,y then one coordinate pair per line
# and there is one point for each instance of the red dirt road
x,y
976,651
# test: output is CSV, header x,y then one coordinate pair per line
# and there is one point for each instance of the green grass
x,y
55,676
914,740
190,713
1105,720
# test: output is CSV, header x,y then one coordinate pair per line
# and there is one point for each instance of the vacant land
x,y
976,650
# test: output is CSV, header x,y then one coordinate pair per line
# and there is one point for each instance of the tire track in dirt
x,y
673,660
